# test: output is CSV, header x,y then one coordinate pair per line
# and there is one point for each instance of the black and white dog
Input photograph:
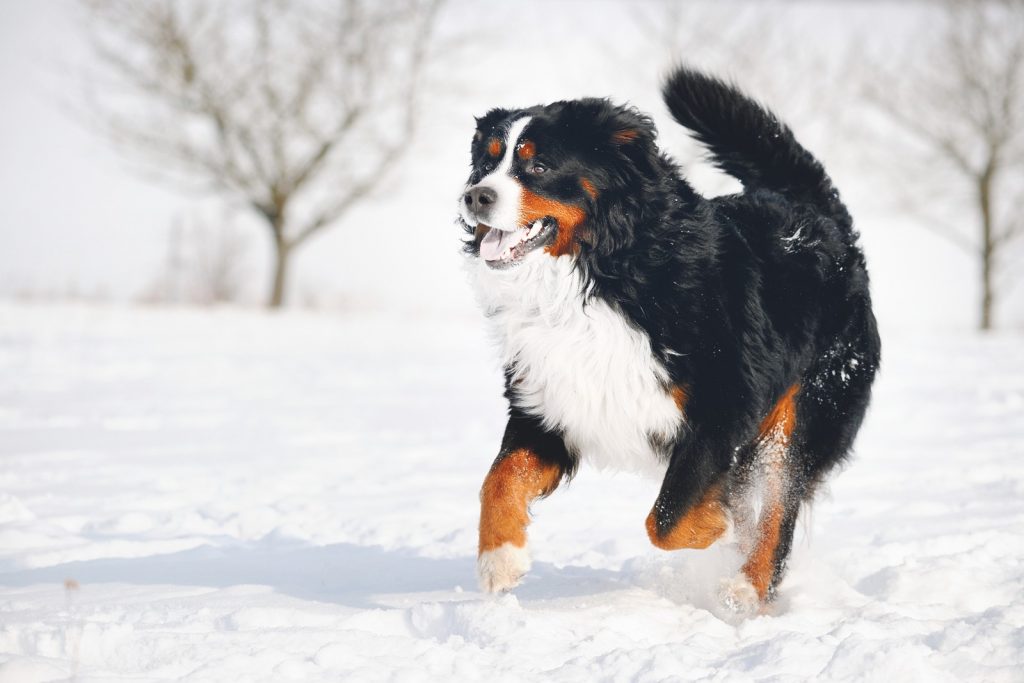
x,y
726,343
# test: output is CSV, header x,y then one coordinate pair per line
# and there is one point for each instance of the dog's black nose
x,y
480,197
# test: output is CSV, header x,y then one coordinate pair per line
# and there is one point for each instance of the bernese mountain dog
x,y
726,344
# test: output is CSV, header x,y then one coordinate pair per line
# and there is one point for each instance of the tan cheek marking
x,y
568,216
526,150
700,527
510,486
494,147
589,188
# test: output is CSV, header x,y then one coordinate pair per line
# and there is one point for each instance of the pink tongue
x,y
497,241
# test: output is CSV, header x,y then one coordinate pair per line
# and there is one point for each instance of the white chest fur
x,y
585,370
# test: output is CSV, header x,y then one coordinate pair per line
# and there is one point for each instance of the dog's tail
x,y
748,142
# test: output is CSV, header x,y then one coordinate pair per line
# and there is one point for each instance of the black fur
x,y
742,296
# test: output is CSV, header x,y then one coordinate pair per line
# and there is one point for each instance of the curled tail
x,y
748,142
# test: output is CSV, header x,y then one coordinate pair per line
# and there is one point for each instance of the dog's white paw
x,y
501,569
738,597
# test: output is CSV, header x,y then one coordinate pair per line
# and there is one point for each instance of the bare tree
x,y
958,106
168,286
297,109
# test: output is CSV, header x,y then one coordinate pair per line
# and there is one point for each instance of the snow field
x,y
212,495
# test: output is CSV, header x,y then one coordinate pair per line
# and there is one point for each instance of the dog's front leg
x,y
690,510
531,463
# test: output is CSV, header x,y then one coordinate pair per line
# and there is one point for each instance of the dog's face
x,y
546,178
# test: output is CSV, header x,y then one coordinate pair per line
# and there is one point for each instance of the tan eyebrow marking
x,y
526,150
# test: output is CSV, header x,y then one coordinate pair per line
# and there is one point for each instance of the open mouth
x,y
504,248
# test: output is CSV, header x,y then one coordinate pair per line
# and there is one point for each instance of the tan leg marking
x,y
700,527
704,523
778,424
775,433
510,486
760,566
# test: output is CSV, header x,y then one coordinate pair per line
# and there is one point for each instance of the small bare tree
x,y
297,109
958,106
204,263
218,260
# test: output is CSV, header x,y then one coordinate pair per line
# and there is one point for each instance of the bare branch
x,y
264,101
355,193
952,234
961,100
1013,229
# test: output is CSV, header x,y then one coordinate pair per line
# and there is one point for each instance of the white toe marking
x,y
739,597
502,568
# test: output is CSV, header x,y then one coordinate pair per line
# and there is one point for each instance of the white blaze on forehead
x,y
506,214
511,140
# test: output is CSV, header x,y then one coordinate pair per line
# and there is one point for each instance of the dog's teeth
x,y
534,229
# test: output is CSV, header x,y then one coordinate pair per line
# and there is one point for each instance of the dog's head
x,y
559,179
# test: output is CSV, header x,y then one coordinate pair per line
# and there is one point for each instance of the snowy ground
x,y
238,496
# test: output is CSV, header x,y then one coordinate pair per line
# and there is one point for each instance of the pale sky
x,y
74,217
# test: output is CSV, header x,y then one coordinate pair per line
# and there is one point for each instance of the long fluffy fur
x,y
738,298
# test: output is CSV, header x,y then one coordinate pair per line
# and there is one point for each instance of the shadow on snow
x,y
346,574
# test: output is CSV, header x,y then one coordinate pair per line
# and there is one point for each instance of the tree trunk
x,y
987,245
282,250
986,290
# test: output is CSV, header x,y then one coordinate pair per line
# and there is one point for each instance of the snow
x,y
234,495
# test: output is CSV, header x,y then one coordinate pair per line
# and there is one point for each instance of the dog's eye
x,y
488,166
537,169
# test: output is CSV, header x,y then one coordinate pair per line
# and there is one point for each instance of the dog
x,y
727,344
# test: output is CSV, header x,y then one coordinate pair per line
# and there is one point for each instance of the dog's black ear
x,y
628,159
485,123
603,123
626,126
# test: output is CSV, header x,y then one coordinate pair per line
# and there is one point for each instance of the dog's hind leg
x,y
782,490
765,563
739,498
531,463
